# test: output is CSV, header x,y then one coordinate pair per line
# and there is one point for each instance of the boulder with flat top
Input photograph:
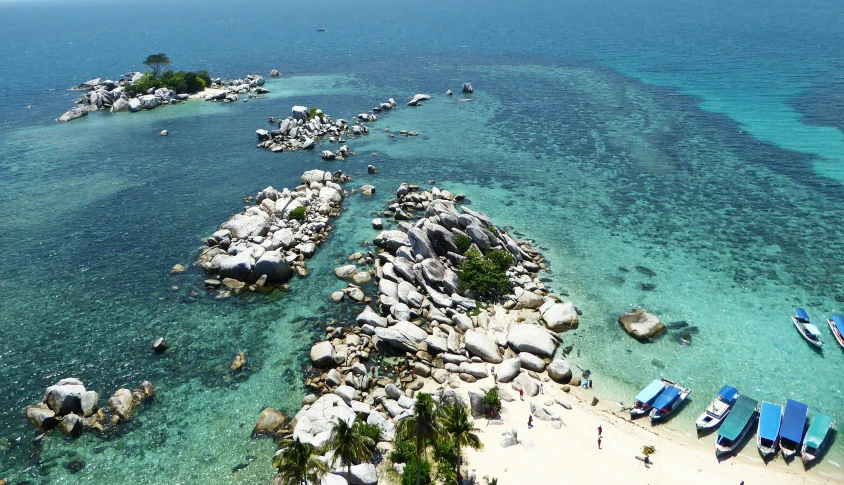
x,y
641,325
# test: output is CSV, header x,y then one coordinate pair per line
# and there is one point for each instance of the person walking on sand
x,y
599,442
541,389
530,421
522,394
600,430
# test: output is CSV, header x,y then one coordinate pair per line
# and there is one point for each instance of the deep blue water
x,y
699,140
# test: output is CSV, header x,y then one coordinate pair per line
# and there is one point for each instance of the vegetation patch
x,y
484,274
298,213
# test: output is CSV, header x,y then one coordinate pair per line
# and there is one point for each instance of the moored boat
x,y
718,409
793,426
836,325
768,434
815,437
668,401
646,397
736,425
809,332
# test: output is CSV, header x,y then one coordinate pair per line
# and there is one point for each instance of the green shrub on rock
x,y
403,452
463,243
492,400
485,273
298,214
371,431
409,475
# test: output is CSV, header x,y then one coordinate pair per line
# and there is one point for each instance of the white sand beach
x,y
570,455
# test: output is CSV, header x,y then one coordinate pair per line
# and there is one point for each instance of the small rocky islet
x,y
113,96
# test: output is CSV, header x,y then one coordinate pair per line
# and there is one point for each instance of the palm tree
x,y
461,430
299,464
349,445
423,427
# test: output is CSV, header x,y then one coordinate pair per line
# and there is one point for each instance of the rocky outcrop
x,y
533,339
641,325
267,244
559,317
73,114
417,99
559,371
71,407
467,88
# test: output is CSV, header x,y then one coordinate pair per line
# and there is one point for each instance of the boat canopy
x,y
738,418
728,393
769,421
801,314
813,330
648,394
838,320
667,397
794,421
818,430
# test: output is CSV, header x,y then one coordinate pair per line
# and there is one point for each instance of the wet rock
x,y
41,416
73,114
122,404
65,397
641,325
71,425
417,99
238,363
467,88
645,271
160,345
377,223
559,317
559,371
322,354
163,133
178,269
270,421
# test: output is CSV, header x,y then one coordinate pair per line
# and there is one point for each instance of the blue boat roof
x,y
648,394
729,393
794,421
667,397
769,421
802,314
838,321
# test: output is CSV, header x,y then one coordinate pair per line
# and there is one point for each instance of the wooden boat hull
x,y
802,330
712,423
787,453
724,450
838,336
638,413
764,450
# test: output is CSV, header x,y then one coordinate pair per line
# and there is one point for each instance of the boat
x,y
718,409
736,425
815,437
768,434
836,324
668,401
646,397
320,30
806,329
793,426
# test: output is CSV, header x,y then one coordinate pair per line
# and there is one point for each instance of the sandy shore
x,y
570,455
205,93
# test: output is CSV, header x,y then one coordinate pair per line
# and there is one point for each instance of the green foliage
x,y
371,431
446,473
298,214
463,243
492,400
299,463
403,451
485,273
416,475
158,62
491,481
444,450
648,450
424,427
493,229
349,446
312,113
183,82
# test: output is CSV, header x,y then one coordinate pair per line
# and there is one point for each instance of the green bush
x,y
463,243
298,214
493,229
446,473
312,113
403,452
485,273
409,475
492,400
444,450
183,82
371,431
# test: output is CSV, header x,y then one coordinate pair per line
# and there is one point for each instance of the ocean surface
x,y
684,157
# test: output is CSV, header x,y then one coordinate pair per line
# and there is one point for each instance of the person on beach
x,y
413,374
599,442
541,389
600,430
522,394
647,462
530,421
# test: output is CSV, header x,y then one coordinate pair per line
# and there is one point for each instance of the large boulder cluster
x,y
105,94
72,408
264,245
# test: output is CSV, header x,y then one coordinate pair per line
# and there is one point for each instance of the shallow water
x,y
696,196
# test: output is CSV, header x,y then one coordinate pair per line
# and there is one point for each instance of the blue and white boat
x,y
768,434
793,427
806,328
836,325
668,401
718,409
644,400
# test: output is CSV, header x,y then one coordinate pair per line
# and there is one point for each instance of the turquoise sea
x,y
683,157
